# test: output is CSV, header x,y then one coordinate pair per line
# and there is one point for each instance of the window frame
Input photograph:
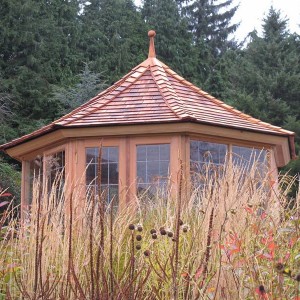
x,y
25,188
61,148
93,183
96,143
230,143
157,140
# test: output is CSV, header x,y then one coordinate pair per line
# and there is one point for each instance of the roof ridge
x,y
167,103
223,104
116,85
178,108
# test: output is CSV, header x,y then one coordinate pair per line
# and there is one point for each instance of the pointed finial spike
x,y
151,35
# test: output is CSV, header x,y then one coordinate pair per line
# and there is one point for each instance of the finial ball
x,y
151,33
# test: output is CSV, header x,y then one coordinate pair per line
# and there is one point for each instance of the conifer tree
x,y
113,37
262,78
173,41
34,47
210,21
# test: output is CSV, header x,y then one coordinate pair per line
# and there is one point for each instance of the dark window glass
x,y
55,172
246,158
109,171
153,162
35,173
206,160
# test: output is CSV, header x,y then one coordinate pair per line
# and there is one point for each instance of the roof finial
x,y
151,35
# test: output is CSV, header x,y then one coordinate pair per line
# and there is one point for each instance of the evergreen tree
x,y
210,24
113,37
173,41
210,21
266,72
262,78
89,85
34,47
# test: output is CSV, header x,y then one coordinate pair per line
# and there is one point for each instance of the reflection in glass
x,y
247,158
55,172
206,161
153,163
109,171
35,174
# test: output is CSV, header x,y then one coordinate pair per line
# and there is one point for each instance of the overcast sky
x,y
251,12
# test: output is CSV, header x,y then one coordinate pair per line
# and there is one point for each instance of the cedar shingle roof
x,y
153,93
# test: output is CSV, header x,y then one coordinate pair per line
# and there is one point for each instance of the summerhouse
x,y
149,125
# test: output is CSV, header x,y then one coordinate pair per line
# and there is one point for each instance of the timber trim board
x,y
282,151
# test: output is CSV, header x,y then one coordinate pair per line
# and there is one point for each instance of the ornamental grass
x,y
234,236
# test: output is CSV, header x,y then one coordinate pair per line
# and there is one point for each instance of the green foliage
x,y
174,42
89,84
113,37
211,21
10,180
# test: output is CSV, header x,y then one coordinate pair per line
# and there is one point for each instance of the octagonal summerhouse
x,y
148,124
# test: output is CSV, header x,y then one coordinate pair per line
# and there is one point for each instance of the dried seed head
x,y
147,253
173,240
138,237
152,231
154,236
185,229
139,227
138,247
180,222
261,289
279,267
297,277
163,232
170,234
161,228
131,227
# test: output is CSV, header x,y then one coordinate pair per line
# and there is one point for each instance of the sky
x,y
251,13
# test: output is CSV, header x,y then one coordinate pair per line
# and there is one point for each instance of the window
x,y
109,171
55,172
153,163
246,157
206,159
35,173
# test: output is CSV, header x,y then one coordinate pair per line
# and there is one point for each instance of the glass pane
x,y
245,157
113,192
91,155
113,173
141,153
141,171
164,169
90,173
55,173
109,169
152,171
152,153
207,160
113,154
105,154
104,173
152,168
165,152
194,151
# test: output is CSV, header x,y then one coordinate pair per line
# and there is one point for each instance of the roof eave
x,y
55,127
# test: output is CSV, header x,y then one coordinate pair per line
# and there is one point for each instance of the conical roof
x,y
153,93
